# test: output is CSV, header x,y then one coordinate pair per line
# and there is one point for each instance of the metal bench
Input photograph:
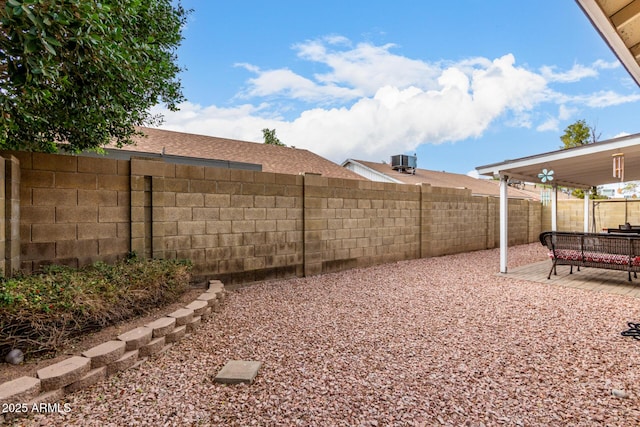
x,y
610,251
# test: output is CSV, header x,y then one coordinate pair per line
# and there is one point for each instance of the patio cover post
x,y
504,222
554,208
587,193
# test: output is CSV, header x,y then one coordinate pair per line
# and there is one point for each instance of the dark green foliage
x,y
85,72
40,313
271,138
577,134
593,195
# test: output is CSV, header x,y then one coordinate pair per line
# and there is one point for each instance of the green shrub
x,y
41,313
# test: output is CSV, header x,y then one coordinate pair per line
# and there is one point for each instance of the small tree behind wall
x,y
271,138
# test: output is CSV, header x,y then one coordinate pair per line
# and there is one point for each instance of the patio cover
x,y
579,167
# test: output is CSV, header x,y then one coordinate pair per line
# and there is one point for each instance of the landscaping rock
x,y
15,357
620,394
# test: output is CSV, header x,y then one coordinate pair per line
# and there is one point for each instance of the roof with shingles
x,y
485,187
276,159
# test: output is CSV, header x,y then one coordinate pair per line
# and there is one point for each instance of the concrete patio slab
x,y
590,279
238,371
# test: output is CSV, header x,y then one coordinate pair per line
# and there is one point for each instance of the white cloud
x,y
551,124
576,73
621,134
474,174
606,99
604,65
565,112
372,102
244,122
284,82
367,67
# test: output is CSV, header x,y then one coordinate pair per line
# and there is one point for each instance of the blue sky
x,y
461,86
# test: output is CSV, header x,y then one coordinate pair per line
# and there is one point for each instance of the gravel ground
x,y
438,341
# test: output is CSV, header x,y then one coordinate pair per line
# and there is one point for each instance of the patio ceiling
x,y
618,22
580,167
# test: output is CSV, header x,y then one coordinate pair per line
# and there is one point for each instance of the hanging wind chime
x,y
618,166
544,176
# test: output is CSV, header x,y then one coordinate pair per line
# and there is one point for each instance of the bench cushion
x,y
596,257
602,258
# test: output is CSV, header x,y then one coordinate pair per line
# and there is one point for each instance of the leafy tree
x,y
271,138
630,187
579,193
85,72
577,134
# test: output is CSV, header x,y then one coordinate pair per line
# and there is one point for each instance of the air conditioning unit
x,y
402,162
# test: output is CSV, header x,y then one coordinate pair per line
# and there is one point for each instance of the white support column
x,y
504,223
554,208
587,193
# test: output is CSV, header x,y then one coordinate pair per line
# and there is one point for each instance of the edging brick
x,y
182,316
209,297
93,376
63,373
136,338
125,362
162,326
193,325
198,306
153,347
19,390
177,334
105,353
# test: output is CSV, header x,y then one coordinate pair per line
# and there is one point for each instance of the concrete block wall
x,y
612,213
236,225
11,221
73,210
523,222
608,213
535,221
570,215
454,221
350,223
